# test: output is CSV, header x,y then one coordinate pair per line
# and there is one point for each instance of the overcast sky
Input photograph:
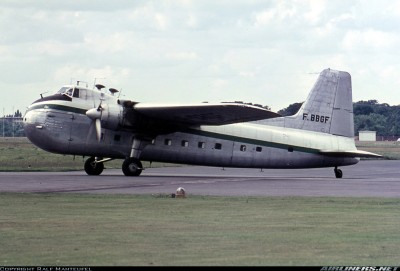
x,y
265,52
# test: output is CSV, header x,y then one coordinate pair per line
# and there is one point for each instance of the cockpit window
x,y
63,90
76,93
69,92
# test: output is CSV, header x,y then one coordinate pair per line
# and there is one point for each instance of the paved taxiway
x,y
375,178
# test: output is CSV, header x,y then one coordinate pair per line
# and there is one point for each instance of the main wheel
x,y
93,168
338,173
132,167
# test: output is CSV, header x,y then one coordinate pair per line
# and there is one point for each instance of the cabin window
x,y
258,149
290,149
117,137
185,143
218,146
153,142
201,145
242,147
168,142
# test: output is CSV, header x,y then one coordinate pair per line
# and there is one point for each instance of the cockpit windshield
x,y
69,91
66,90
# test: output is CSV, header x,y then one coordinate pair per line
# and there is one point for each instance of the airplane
x,y
94,123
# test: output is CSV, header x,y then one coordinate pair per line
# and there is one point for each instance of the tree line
x,y
11,126
368,116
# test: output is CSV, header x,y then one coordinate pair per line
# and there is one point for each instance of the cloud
x,y
257,51
369,39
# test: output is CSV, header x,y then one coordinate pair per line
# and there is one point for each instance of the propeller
x,y
108,115
96,114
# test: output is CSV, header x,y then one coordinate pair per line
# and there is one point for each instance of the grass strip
x,y
155,230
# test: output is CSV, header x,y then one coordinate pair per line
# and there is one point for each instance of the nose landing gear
x,y
92,167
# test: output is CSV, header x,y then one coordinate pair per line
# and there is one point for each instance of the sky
x,y
262,52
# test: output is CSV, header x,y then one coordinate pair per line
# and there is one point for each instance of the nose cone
x,y
30,122
35,130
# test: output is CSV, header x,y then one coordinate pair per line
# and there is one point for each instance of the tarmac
x,y
368,178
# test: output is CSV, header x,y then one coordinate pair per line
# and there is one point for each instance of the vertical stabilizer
x,y
329,106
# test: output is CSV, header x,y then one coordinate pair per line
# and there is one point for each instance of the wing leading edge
x,y
205,114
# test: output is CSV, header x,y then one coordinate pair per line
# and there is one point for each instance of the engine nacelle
x,y
111,116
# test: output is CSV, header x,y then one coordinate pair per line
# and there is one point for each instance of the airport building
x,y
367,135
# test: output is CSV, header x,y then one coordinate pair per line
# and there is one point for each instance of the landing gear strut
x,y
92,167
338,173
132,167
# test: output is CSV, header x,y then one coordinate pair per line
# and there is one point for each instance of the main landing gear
x,y
338,173
130,167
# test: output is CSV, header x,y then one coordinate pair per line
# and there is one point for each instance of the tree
x,y
371,122
290,110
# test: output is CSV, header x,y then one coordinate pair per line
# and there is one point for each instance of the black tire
x,y
338,173
132,167
93,168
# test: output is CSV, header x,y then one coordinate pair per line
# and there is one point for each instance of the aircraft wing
x,y
205,113
355,153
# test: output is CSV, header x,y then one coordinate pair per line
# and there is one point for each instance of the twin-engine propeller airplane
x,y
92,123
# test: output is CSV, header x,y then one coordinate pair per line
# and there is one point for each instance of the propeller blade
x,y
98,129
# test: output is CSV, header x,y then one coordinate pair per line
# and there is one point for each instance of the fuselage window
x,y
242,147
258,149
76,93
290,149
168,142
184,143
218,146
201,145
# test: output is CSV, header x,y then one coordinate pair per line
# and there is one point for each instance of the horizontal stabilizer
x,y
355,153
205,113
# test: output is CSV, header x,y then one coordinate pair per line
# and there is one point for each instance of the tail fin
x,y
329,106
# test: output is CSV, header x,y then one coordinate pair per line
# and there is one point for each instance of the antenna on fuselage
x,y
78,81
41,94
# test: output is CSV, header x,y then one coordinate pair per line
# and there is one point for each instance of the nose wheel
x,y
338,173
92,167
132,167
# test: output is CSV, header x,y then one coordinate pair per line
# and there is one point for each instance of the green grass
x,y
389,149
130,230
